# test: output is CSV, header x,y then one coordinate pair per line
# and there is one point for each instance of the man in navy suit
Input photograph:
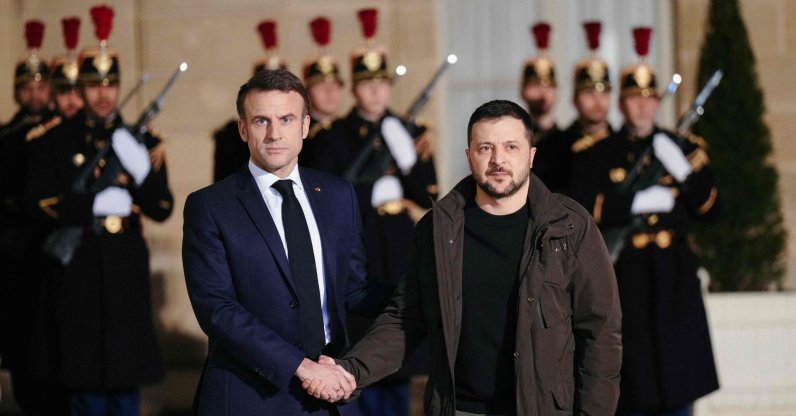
x,y
273,257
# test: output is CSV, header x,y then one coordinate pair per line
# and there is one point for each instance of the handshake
x,y
326,380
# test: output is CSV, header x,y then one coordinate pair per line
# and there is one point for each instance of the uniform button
x,y
450,241
516,354
531,299
458,298
293,305
571,226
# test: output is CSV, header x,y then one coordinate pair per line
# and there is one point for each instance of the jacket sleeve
x,y
597,320
154,196
395,335
699,193
48,188
226,322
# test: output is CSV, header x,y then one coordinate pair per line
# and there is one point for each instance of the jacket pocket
x,y
554,304
563,397
555,301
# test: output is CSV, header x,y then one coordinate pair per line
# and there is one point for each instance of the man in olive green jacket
x,y
513,287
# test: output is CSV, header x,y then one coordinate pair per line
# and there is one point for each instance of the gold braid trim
x,y
598,208
702,210
46,206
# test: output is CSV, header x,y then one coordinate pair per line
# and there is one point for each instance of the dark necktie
x,y
302,264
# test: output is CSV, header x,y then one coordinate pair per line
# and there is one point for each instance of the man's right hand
x,y
325,380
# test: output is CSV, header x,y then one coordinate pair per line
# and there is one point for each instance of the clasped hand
x,y
325,380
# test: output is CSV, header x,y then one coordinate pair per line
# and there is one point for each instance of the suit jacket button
x,y
293,305
516,354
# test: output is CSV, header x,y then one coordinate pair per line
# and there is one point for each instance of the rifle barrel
x,y
134,91
425,94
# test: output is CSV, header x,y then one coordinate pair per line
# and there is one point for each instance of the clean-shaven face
x,y
373,95
274,127
593,105
101,99
639,113
68,102
500,156
326,97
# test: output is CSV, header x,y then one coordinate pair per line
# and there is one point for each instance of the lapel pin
x,y
317,189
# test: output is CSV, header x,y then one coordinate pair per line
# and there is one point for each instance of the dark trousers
x,y
385,399
39,397
123,403
682,411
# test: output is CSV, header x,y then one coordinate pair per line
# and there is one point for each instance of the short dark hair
x,y
272,80
497,109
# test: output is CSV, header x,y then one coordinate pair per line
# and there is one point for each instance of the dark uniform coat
x,y
388,234
105,333
540,135
668,359
230,151
561,153
21,266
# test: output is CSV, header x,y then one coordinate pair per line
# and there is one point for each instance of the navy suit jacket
x,y
242,291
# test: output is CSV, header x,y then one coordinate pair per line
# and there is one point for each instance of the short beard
x,y
512,189
536,107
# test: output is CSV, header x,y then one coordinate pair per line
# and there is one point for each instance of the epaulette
x,y
317,128
587,141
39,130
697,140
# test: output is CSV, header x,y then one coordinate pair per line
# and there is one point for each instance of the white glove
x,y
133,155
386,189
656,198
113,201
671,156
400,143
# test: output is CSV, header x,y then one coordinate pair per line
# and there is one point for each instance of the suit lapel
x,y
249,195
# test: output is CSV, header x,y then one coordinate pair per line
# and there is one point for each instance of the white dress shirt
x,y
273,200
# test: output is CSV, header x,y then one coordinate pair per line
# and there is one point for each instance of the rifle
x,y
63,242
365,170
113,166
615,237
134,91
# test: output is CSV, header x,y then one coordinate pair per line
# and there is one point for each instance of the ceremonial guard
x,y
564,151
22,268
646,220
105,342
65,72
324,86
395,184
230,150
539,87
